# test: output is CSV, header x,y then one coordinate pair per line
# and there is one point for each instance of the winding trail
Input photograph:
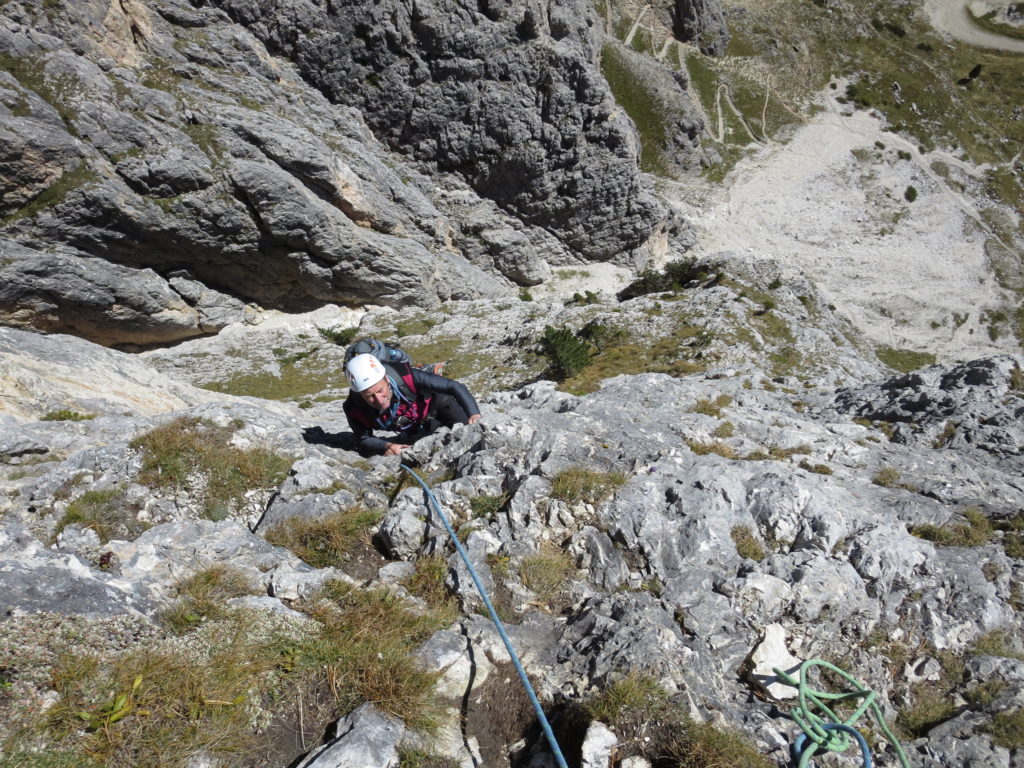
x,y
950,17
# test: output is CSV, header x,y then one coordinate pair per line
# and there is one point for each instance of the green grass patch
x,y
1007,729
976,532
587,485
415,326
216,689
327,541
300,377
55,194
933,702
904,360
175,454
633,93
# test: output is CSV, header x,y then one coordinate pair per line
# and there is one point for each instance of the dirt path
x,y
950,17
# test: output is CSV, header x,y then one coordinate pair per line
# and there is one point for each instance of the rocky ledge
x,y
693,532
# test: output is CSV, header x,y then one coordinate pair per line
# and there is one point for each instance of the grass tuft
x,y
175,454
202,597
976,532
747,545
327,541
547,573
590,486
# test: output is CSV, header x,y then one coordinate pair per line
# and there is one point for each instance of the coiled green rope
x,y
831,733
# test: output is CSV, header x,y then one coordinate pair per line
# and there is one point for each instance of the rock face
x,y
736,538
164,161
702,23
508,94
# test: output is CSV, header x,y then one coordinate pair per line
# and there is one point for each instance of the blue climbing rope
x,y
497,622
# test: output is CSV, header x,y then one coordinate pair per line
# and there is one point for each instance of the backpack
x,y
386,353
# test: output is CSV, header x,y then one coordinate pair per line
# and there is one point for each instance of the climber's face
x,y
379,395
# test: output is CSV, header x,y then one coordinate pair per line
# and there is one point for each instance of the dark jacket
x,y
416,404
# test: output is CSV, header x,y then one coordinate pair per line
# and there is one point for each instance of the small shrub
x,y
910,194
676,276
583,299
327,541
590,486
747,545
340,336
775,284
567,355
67,415
524,294
547,573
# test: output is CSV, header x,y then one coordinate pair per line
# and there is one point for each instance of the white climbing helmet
x,y
363,371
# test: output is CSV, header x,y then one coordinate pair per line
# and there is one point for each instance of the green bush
x,y
340,336
676,276
910,194
567,355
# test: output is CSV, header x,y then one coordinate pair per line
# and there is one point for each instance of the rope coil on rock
x,y
497,622
834,733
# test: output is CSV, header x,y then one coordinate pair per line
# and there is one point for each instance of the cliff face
x,y
508,94
192,159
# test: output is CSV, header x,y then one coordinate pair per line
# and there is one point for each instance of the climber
x,y
399,398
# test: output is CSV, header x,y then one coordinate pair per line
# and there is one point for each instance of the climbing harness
x,y
497,622
832,734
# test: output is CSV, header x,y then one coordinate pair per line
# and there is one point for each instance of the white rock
x,y
771,654
597,746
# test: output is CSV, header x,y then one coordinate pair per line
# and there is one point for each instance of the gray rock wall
x,y
507,94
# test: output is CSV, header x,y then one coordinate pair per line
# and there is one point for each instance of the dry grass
x,y
579,484
547,573
174,454
327,541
